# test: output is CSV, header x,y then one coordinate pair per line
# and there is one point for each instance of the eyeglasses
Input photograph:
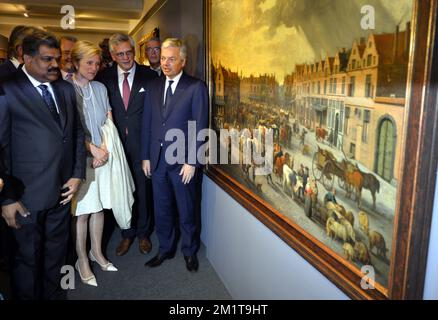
x,y
153,49
129,54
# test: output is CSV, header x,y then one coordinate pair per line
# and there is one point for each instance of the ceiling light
x,y
26,15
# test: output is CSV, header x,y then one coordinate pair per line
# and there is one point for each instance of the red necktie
x,y
126,91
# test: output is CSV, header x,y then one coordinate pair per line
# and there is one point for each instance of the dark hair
x,y
33,42
68,38
16,38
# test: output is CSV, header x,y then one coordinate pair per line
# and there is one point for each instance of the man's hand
x,y
72,185
187,171
9,213
146,165
2,184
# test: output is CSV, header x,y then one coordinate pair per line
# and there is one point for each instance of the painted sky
x,y
271,36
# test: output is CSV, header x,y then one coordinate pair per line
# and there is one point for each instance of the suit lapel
x,y
114,78
60,100
135,85
176,95
160,98
11,66
34,101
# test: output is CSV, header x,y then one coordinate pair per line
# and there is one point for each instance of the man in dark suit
x,y
42,144
173,104
15,50
126,82
153,53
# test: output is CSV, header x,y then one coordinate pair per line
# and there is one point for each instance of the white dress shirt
x,y
121,75
15,62
174,84
65,74
36,83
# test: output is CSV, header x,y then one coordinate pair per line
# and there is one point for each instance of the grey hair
x,y
175,43
117,38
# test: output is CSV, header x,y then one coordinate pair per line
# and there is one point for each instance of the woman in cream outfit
x,y
94,194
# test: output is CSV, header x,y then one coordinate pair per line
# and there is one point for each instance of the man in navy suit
x,y
172,104
126,82
42,145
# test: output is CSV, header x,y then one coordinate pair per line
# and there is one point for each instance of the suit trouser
x,y
168,191
40,250
142,211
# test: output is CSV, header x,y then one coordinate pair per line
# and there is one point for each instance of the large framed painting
x,y
326,117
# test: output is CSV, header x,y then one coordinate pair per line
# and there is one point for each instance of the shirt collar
x,y
64,74
176,79
34,81
15,62
131,71
157,69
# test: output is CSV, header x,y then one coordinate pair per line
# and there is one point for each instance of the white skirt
x,y
110,186
88,198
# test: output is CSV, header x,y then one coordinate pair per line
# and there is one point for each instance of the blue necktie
x,y
48,99
168,98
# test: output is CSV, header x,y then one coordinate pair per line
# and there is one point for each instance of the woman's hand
x,y
100,154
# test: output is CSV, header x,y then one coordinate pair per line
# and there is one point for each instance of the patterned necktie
x,y
168,98
48,99
126,91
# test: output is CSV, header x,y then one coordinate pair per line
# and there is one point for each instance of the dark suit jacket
x,y
189,103
6,70
35,149
132,118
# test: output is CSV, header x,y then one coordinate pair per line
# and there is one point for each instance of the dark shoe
x,y
159,259
192,263
123,247
144,245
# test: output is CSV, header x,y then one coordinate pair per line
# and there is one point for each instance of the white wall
x,y
431,285
252,262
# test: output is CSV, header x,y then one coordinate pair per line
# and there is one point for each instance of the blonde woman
x,y
92,198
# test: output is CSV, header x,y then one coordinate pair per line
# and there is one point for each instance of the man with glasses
x,y
67,69
42,145
153,52
126,82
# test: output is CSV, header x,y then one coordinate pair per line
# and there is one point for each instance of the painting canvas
x,y
329,80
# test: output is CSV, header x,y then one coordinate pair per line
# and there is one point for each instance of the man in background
x,y
15,50
67,69
107,61
153,53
